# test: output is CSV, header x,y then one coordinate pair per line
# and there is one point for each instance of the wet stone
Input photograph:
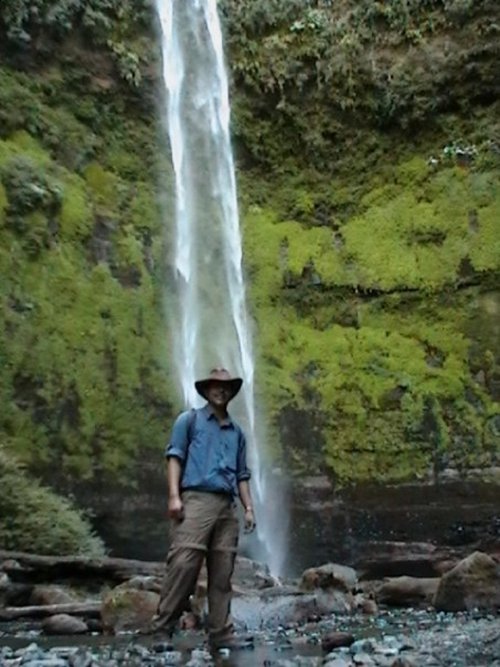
x,y
172,658
162,647
81,658
200,658
403,662
45,662
363,660
336,639
337,662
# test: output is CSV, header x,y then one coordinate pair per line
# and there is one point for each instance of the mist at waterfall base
x,y
206,301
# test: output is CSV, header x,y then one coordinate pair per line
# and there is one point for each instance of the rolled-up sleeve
x,y
178,443
243,473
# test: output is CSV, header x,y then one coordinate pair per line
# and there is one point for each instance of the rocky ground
x,y
410,638
333,616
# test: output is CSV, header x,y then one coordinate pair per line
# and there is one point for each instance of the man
x,y
206,470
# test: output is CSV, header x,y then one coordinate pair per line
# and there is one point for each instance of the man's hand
x,y
249,520
175,508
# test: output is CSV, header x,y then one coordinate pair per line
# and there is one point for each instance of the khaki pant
x,y
208,531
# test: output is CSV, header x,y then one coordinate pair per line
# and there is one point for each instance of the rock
x,y
125,608
162,647
199,658
327,576
49,595
333,640
313,607
189,621
337,662
4,586
250,574
144,583
472,583
9,564
363,660
407,591
363,646
403,662
172,658
417,559
63,624
364,604
256,611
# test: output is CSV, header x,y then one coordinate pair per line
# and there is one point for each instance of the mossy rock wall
x,y
381,331
85,372
368,148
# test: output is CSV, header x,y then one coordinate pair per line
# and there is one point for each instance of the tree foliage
x,y
33,518
112,23
381,63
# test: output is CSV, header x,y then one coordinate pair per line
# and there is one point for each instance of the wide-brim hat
x,y
219,375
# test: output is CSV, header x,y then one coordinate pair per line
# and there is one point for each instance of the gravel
x,y
404,638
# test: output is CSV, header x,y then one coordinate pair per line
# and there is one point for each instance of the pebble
x,y
420,638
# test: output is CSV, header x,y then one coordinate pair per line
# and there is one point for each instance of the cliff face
x,y
373,241
368,143
84,384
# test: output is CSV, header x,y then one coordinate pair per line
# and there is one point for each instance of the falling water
x,y
212,327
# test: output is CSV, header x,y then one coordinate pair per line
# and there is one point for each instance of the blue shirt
x,y
215,459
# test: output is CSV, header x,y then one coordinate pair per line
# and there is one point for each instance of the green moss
x,y
413,235
76,216
104,185
25,112
363,323
86,383
143,211
3,204
370,234
23,143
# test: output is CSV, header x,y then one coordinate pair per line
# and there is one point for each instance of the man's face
x,y
218,393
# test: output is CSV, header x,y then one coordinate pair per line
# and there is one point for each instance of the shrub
x,y
28,188
34,519
100,21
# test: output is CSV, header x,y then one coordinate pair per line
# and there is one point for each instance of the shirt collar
x,y
209,414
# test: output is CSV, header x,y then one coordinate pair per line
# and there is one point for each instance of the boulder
x,y
249,574
416,559
333,640
257,611
42,596
128,608
312,607
329,576
144,583
64,624
407,591
472,583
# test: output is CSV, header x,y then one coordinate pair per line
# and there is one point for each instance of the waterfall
x,y
211,324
